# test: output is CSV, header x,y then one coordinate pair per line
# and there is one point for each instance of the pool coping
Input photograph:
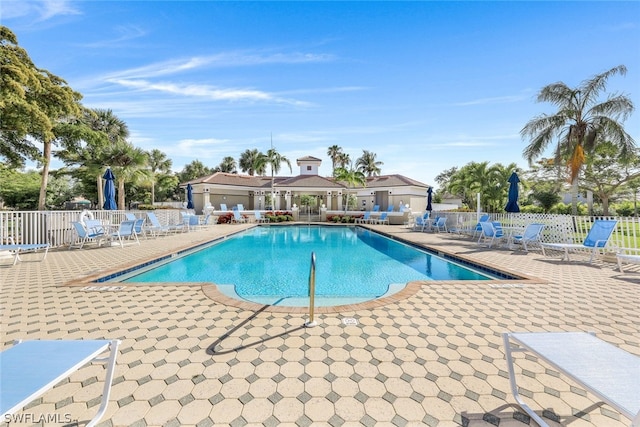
x,y
211,291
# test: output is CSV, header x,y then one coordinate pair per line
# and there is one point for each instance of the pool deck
x,y
433,356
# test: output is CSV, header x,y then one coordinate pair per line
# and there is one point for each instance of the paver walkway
x,y
434,358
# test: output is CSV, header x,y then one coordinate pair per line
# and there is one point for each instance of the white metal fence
x,y
54,227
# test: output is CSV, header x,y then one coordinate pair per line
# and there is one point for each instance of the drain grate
x,y
103,288
349,321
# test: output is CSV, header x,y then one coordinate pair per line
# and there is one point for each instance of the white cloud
x,y
206,91
494,100
124,34
43,10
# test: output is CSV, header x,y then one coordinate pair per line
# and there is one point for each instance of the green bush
x,y
143,207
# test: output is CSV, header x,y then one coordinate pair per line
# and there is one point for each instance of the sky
x,y
425,85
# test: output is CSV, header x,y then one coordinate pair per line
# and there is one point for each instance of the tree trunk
x,y
42,199
153,192
100,191
605,205
574,196
121,194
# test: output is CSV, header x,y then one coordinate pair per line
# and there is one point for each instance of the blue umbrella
x,y
189,196
109,191
512,203
429,197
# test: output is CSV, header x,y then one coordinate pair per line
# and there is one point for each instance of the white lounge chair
x,y
627,256
156,227
532,235
30,368
596,239
13,250
607,371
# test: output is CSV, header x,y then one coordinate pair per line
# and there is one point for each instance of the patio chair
x,y
376,208
237,217
390,208
603,369
223,207
126,230
490,233
30,368
138,227
86,235
596,239
383,219
240,207
156,227
13,250
365,219
628,256
259,217
130,216
440,224
478,229
532,235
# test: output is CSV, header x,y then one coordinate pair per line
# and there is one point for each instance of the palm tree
x,y
158,164
252,162
475,178
334,152
580,123
228,165
344,160
368,165
351,177
129,165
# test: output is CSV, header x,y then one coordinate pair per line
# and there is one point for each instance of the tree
x,y
351,178
581,122
604,173
159,165
36,105
344,160
367,164
253,162
227,165
275,161
129,165
334,152
444,178
193,170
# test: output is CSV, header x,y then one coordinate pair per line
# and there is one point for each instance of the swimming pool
x,y
272,263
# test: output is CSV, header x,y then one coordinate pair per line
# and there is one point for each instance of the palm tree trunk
x,y
100,191
42,199
121,194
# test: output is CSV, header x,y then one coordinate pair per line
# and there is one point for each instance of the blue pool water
x,y
274,261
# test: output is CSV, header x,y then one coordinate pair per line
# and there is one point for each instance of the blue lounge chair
x,y
366,218
30,368
126,230
259,217
490,233
603,369
237,217
532,235
596,240
223,207
85,235
440,224
383,219
376,208
156,227
13,250
390,208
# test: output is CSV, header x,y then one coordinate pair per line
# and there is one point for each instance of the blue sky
x,y
426,85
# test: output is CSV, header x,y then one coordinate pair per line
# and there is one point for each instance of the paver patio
x,y
432,358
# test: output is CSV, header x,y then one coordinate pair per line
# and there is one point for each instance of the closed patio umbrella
x,y
512,203
189,196
109,191
429,197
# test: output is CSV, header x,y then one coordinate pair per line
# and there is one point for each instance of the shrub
x,y
225,218
144,207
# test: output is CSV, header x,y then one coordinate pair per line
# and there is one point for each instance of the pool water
x,y
273,262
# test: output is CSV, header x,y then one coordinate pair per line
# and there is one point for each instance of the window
x,y
308,168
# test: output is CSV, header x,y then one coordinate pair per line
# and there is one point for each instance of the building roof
x,y
308,159
309,181
314,181
393,181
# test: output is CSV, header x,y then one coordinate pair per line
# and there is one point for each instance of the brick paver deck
x,y
433,357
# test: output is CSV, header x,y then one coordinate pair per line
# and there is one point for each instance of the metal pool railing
x,y
312,292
